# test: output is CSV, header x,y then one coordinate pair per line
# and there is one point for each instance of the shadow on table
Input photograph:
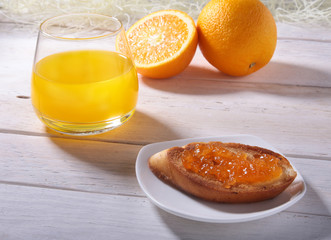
x,y
284,225
115,151
207,81
140,129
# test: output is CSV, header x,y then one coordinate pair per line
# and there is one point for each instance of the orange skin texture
x,y
237,37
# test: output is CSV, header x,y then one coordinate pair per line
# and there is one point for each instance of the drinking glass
x,y
84,80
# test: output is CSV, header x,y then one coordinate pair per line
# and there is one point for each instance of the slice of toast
x,y
168,166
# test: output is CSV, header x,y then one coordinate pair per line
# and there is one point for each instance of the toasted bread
x,y
168,166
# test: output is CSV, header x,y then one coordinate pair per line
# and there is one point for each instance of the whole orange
x,y
238,37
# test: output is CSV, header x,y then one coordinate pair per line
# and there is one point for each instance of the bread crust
x,y
167,165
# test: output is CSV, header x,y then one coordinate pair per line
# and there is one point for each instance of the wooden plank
x,y
262,104
294,119
101,167
290,65
317,178
56,214
295,62
69,164
303,32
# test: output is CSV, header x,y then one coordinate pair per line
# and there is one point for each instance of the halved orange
x,y
163,43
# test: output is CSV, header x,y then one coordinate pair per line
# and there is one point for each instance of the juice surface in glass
x,y
84,86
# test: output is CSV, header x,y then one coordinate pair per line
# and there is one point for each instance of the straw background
x,y
29,13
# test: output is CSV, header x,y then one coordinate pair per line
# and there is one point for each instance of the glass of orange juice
x,y
84,80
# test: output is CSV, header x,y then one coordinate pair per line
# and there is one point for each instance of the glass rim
x,y
43,30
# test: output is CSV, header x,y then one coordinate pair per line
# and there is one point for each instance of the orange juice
x,y
85,86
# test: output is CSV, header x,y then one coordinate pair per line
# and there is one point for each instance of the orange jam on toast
x,y
213,161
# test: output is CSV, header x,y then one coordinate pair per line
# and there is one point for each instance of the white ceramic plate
x,y
184,205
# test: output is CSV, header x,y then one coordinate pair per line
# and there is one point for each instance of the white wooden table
x,y
54,186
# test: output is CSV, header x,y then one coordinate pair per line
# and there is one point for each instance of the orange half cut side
x,y
163,43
